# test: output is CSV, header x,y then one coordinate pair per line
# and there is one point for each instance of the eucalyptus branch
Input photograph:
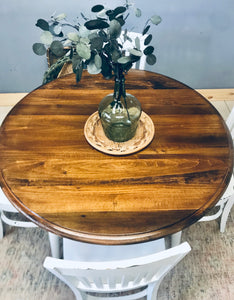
x,y
83,16
70,25
146,24
98,41
126,17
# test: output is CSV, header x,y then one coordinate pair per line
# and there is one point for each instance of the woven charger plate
x,y
95,136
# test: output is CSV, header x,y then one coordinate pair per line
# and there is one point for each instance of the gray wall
x,y
195,41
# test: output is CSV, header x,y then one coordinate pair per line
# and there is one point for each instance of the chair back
x,y
4,110
81,251
140,65
4,202
118,276
230,122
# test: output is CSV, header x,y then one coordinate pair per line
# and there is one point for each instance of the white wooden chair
x,y
7,207
134,277
80,251
139,65
230,122
226,202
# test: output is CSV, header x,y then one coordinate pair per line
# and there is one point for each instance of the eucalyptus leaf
x,y
43,24
115,44
148,50
137,12
103,35
127,66
60,17
148,39
96,43
92,68
102,14
137,43
67,43
107,48
120,20
106,67
83,31
57,48
135,58
135,52
115,29
85,40
111,17
124,59
115,55
97,8
46,38
93,34
119,10
83,50
76,62
98,61
146,29
56,29
39,49
96,24
73,37
156,19
109,12
151,59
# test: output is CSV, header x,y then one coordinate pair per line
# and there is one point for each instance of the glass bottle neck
x,y
119,90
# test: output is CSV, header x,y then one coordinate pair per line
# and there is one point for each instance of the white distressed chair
x,y
139,65
226,202
80,251
134,278
230,122
7,207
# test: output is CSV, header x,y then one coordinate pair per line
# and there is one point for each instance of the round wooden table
x,y
52,175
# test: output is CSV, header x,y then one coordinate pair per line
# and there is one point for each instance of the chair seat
x,y
5,203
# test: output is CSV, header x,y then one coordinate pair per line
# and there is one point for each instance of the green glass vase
x,y
119,113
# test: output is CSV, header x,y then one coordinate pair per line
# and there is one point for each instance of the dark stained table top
x,y
53,176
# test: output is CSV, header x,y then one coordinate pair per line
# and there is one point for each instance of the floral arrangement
x,y
95,44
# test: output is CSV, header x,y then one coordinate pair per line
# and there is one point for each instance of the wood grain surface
x,y
52,175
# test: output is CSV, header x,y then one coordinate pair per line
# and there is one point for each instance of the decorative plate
x,y
95,136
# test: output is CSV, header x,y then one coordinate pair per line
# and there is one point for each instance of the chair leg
x,y
152,291
1,229
225,214
54,244
176,238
